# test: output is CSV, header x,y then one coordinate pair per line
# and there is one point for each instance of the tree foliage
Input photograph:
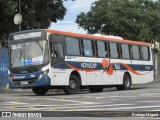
x,y
37,14
130,19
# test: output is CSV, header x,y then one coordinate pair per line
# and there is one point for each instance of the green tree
x,y
130,19
37,14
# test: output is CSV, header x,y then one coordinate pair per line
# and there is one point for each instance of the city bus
x,y
49,59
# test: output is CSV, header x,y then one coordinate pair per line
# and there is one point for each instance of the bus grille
x,y
24,82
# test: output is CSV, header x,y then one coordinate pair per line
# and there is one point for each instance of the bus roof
x,y
97,37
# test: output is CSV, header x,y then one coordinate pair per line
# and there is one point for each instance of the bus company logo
x,y
88,65
18,77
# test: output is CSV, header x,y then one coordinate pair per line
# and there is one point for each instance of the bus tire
x,y
74,85
40,90
95,89
126,83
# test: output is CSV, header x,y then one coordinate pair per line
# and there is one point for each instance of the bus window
x,y
125,51
56,50
101,49
145,53
72,46
135,52
114,50
87,47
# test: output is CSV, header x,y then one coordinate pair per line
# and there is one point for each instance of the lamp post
x,y
19,13
18,17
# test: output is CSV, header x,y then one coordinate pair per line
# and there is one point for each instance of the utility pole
x,y
19,4
18,16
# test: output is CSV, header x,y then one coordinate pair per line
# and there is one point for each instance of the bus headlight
x,y
43,74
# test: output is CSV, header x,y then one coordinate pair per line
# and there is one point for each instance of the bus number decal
x,y
147,67
117,66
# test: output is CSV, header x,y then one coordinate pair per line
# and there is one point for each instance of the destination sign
x,y
27,35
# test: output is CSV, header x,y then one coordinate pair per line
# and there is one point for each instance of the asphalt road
x,y
142,101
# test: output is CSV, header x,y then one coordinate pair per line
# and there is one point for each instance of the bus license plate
x,y
24,82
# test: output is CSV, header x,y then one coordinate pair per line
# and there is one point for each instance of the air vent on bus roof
x,y
108,36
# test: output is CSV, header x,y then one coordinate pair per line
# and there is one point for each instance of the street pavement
x,y
141,102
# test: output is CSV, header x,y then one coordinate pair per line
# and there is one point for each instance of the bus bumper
x,y
44,81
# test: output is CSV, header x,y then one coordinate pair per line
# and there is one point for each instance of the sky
x,y
73,9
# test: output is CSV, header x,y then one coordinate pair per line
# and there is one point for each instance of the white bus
x,y
46,59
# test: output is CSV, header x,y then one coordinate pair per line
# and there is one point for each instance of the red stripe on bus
x,y
132,70
96,37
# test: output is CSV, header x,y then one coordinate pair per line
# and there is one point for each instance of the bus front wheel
x,y
126,83
40,90
74,85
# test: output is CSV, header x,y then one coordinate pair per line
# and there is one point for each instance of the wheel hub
x,y
72,84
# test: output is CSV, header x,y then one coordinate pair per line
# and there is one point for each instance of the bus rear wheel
x,y
40,90
126,83
74,85
95,89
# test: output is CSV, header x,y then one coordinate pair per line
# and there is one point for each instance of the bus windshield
x,y
29,53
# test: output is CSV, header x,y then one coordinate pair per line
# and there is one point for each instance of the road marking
x,y
100,97
104,109
149,101
75,101
89,106
15,103
133,107
71,107
60,105
154,110
121,96
31,108
149,94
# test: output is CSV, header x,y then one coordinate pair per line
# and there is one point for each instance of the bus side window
x,y
114,50
56,50
135,52
72,46
87,47
145,53
101,51
125,51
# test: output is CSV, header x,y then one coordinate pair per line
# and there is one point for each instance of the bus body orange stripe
x,y
96,37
